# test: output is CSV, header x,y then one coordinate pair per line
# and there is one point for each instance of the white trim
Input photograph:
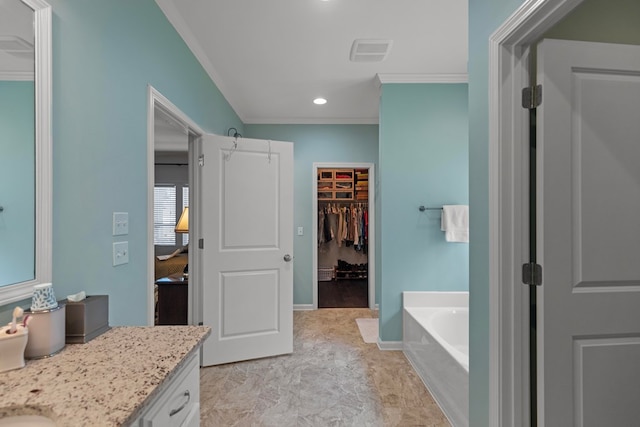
x,y
303,307
156,100
371,255
43,161
508,211
421,78
17,76
389,345
313,121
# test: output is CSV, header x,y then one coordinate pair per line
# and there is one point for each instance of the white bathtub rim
x,y
461,358
435,299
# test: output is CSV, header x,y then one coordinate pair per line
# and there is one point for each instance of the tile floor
x,y
332,379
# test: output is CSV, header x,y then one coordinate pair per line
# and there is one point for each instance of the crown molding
x,y
421,78
313,121
17,75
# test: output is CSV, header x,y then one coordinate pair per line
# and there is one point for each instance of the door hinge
x,y
532,274
201,160
201,243
531,97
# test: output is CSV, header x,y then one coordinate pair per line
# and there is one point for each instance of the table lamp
x,y
183,227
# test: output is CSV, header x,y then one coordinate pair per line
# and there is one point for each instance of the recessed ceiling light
x,y
319,101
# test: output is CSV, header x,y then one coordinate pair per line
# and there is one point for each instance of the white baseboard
x,y
389,345
303,307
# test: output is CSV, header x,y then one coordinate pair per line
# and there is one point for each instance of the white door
x,y
246,220
589,234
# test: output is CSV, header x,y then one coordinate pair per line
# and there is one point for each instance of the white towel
x,y
455,223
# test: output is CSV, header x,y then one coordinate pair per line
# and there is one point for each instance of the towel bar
x,y
422,209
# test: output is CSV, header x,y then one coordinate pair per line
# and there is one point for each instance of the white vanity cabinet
x,y
178,404
132,376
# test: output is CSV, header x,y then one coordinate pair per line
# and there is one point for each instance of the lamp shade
x,y
183,223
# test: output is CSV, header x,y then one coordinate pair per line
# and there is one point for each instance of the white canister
x,y
46,332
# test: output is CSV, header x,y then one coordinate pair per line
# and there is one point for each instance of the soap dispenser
x,y
13,341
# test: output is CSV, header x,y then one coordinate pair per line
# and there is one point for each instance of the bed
x,y
170,266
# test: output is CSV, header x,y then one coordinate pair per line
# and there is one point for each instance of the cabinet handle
x,y
175,411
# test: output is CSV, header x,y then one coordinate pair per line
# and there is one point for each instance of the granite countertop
x,y
107,381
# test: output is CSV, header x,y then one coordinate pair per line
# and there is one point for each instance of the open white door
x,y
589,234
247,270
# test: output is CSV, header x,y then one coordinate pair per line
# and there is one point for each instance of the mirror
x,y
25,147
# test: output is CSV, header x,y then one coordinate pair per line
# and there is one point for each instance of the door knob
x,y
288,258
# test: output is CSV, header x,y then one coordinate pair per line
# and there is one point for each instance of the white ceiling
x,y
271,58
16,20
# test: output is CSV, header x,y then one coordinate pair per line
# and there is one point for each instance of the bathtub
x,y
436,342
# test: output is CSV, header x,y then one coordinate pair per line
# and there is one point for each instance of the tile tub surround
x,y
332,379
107,381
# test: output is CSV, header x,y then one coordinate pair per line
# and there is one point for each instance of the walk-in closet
x,y
343,237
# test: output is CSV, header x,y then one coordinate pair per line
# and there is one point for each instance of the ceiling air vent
x,y
370,50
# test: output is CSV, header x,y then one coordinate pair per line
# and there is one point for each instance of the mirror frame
x,y
43,164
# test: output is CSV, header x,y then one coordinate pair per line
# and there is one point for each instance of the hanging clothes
x,y
333,223
354,226
365,218
327,227
340,226
320,226
345,225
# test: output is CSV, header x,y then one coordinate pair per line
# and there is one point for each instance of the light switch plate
x,y
120,253
300,231
120,223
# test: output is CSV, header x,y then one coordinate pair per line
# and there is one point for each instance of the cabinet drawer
x,y
177,405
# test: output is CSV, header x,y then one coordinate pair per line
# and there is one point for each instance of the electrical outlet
x,y
120,223
120,253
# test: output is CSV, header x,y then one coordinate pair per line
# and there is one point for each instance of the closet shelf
x,y
336,184
343,184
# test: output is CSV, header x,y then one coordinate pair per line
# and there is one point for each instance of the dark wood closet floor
x,y
343,294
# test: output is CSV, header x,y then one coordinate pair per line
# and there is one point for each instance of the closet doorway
x,y
343,235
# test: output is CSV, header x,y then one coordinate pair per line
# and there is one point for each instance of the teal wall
x,y
17,184
312,144
485,16
104,56
423,161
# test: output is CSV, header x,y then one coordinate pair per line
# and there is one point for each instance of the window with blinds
x,y
167,208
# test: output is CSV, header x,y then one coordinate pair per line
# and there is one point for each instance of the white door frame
x,y
156,100
508,206
314,231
